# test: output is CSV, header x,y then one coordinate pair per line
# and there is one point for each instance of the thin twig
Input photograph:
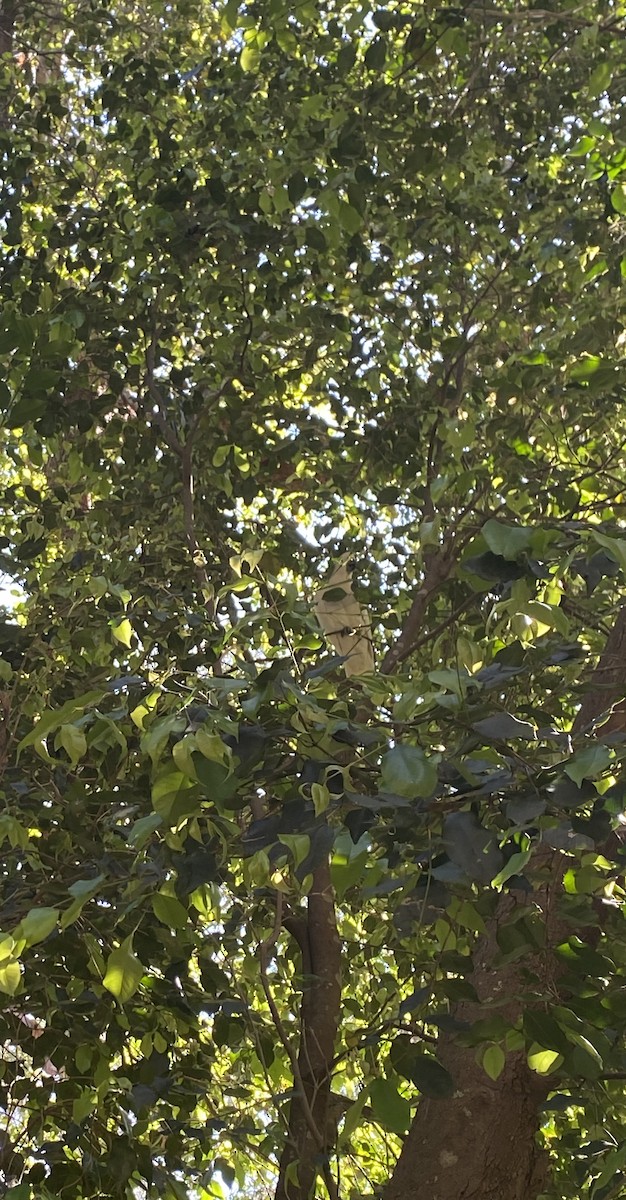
x,y
158,410
246,342
189,521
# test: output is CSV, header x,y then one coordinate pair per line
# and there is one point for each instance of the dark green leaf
x,y
504,726
406,771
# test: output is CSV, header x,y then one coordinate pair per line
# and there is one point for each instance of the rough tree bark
x,y
481,1144
311,1135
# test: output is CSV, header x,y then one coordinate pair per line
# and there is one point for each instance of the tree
x,y
312,660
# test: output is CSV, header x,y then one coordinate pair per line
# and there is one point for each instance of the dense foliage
x,y
283,283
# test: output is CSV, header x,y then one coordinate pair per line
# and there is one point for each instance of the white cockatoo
x,y
345,623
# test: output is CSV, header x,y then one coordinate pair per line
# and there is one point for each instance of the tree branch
x,y
607,685
264,954
189,522
534,15
183,451
158,410
437,571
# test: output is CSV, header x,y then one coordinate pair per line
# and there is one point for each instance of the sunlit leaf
x,y
493,1060
10,977
124,972
123,632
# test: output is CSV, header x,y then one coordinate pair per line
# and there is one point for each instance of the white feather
x,y
345,623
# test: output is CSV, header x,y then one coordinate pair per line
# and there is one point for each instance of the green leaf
x,y
588,763
231,14
84,888
618,198
53,718
578,1039
345,873
299,844
354,1117
73,741
615,546
543,1029
250,58
493,1060
581,1065
21,1191
504,726
376,54
390,1109
221,454
10,977
84,1104
471,847
431,1078
509,541
351,220
613,1162
169,911
7,946
468,917
37,925
453,679
514,866
124,972
142,829
174,796
217,782
600,79
335,595
546,614
296,186
123,632
320,796
212,747
586,367
407,771
72,912
423,1070
183,757
544,1062
157,736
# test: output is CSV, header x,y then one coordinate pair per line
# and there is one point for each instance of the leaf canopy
x,y
283,284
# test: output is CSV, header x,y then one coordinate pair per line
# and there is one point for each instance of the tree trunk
x,y
482,1143
474,1147
311,1135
